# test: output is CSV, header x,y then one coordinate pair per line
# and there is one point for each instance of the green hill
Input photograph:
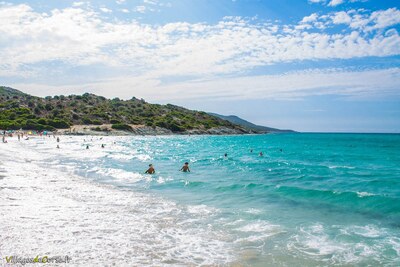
x,y
19,110
257,128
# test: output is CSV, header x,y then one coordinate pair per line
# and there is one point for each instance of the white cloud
x,y
105,10
150,2
124,10
32,43
335,2
77,4
120,2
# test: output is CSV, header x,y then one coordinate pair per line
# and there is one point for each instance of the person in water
x,y
226,155
151,169
185,168
261,154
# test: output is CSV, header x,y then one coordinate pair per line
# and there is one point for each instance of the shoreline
x,y
137,130
48,210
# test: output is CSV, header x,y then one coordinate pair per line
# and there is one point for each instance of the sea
x,y
310,199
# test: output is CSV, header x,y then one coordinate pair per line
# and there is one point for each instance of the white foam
x,y
46,211
364,194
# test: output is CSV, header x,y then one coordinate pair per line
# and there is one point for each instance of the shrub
x,y
121,126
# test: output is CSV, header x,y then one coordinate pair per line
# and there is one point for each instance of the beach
x,y
50,212
303,203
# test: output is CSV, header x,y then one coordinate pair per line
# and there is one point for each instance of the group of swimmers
x,y
151,170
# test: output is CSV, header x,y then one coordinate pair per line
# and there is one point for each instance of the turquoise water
x,y
310,200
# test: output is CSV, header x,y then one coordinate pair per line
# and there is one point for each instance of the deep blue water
x,y
311,199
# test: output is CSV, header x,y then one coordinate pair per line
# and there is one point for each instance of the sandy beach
x,y
49,212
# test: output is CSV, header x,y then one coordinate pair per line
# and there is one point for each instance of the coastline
x,y
107,130
52,212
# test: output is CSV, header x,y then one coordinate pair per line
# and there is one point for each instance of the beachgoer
x,y
151,169
251,150
58,139
87,146
261,154
19,137
102,145
185,168
226,155
58,146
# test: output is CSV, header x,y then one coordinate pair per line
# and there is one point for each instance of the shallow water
x,y
311,200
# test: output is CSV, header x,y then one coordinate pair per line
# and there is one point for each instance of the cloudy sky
x,y
308,65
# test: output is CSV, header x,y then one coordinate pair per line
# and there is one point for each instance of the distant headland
x,y
97,115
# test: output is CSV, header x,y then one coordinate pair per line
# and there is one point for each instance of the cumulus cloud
x,y
335,2
105,10
32,43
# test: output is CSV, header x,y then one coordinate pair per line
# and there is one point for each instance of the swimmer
x,y
251,150
185,168
261,154
151,169
226,155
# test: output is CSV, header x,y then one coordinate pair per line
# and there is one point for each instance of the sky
x,y
307,65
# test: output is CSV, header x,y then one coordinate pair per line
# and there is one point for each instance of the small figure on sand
x,y
58,146
151,169
87,146
261,154
58,139
185,168
102,145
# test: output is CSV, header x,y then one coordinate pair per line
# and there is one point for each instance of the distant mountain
x,y
19,110
258,128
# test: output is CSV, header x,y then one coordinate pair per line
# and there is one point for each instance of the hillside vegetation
x,y
19,110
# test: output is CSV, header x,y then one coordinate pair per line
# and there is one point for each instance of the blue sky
x,y
308,65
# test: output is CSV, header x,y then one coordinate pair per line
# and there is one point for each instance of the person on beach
x,y
151,169
58,139
185,168
102,145
58,146
19,137
87,146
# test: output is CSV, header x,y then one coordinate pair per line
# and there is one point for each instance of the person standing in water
x,y
226,155
185,168
151,169
261,154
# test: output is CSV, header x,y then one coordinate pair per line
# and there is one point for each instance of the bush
x,y
121,126
60,124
